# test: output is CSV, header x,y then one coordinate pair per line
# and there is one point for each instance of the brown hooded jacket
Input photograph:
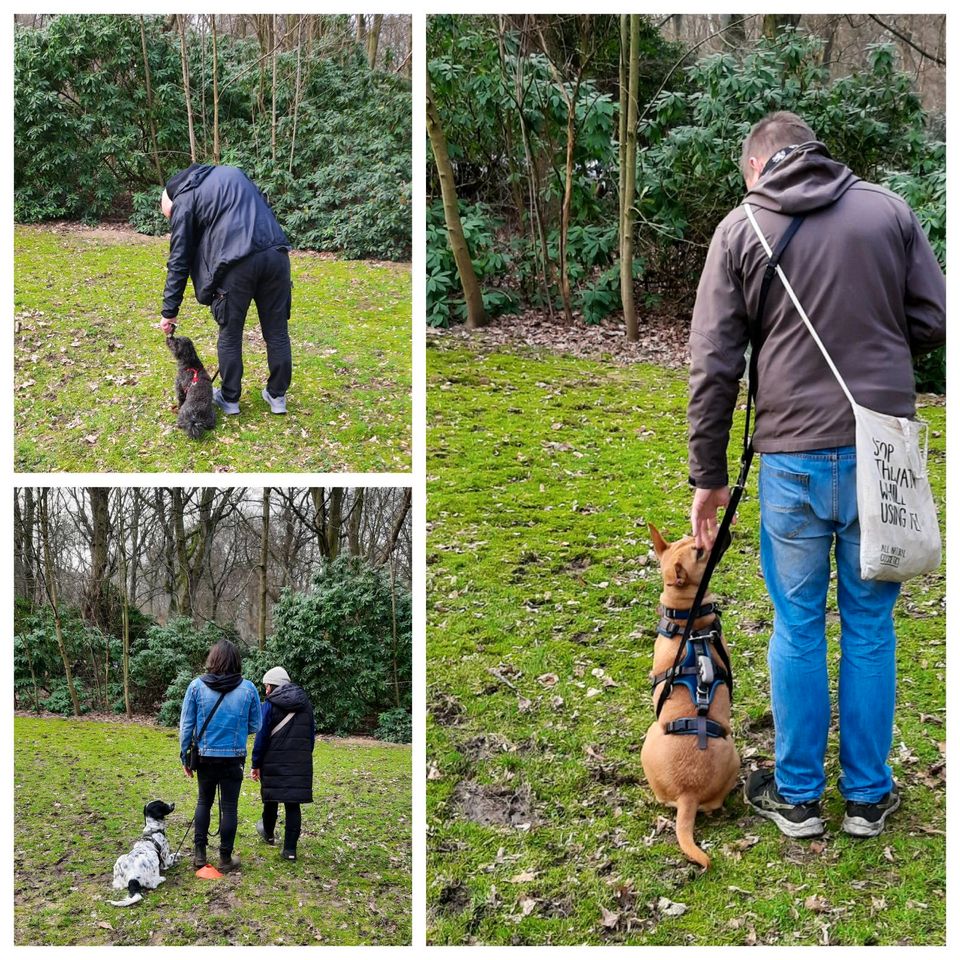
x,y
866,275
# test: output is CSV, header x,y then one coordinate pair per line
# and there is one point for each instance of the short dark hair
x,y
775,130
224,657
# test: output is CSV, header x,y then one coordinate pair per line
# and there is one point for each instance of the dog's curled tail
x,y
686,815
133,895
195,428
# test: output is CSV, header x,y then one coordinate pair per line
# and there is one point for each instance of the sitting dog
x,y
194,388
140,869
688,754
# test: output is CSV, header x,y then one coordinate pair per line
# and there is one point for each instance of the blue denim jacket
x,y
226,734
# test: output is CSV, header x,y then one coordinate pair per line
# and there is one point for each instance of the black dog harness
x,y
696,671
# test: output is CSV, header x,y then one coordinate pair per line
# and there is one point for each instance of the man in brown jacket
x,y
864,271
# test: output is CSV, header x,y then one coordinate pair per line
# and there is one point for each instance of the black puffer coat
x,y
219,217
286,768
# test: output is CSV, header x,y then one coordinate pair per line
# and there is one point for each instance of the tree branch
x,y
923,53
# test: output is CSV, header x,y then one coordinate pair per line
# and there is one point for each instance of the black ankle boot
x,y
199,855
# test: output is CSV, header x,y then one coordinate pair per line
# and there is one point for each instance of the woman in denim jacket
x,y
223,746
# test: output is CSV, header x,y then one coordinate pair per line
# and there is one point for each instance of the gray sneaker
x,y
792,819
867,819
225,405
277,404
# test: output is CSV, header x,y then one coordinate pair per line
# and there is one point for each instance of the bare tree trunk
x,y
216,91
24,520
96,601
296,96
50,587
273,97
122,554
533,175
570,98
264,554
356,519
373,39
134,546
398,522
149,89
476,314
630,186
393,634
775,23
185,66
318,499
361,29
184,600
734,28
33,673
334,521
565,293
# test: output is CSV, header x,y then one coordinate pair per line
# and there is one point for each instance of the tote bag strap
x,y
799,306
282,724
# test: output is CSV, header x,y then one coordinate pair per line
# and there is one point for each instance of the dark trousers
x,y
227,773
291,822
263,277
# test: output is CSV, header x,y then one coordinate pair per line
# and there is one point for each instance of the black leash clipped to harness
x,y
693,657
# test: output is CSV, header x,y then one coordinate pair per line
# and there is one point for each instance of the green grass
x,y
80,788
94,379
542,474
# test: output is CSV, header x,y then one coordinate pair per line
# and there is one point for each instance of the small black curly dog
x,y
194,388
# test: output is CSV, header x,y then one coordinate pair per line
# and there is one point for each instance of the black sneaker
x,y
263,833
793,819
867,819
288,854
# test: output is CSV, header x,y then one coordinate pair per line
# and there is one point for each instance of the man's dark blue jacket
x,y
219,217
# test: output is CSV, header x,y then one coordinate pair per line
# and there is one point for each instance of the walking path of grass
x,y
543,472
80,789
94,379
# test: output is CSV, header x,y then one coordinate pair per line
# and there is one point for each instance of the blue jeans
x,y
808,508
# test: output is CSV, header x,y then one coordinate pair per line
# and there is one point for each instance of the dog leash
x,y
216,833
746,457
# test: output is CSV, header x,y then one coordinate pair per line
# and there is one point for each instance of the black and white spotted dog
x,y
140,869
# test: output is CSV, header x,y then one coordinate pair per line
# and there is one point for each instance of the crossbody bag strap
x,y
203,729
799,307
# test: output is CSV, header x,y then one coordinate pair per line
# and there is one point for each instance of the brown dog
x,y
680,773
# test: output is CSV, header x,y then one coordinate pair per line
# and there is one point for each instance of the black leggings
x,y
227,773
291,822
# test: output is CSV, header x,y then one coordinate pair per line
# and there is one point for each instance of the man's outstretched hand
x,y
168,325
703,514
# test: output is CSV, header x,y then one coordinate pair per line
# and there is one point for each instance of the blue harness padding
x,y
701,676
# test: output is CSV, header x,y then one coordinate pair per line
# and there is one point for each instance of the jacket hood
x,y
289,697
187,179
805,180
222,682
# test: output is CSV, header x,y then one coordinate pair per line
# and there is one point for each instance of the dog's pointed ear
x,y
659,544
681,574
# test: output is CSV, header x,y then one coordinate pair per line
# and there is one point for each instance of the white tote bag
x,y
899,532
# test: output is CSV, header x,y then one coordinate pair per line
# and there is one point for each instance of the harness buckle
x,y
705,671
